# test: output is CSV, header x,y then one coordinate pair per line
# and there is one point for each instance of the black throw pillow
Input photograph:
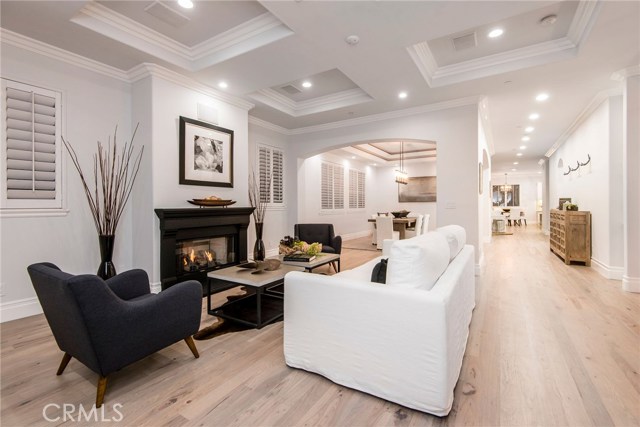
x,y
379,273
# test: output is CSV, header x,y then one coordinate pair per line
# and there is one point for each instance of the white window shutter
x,y
271,175
326,192
264,165
32,150
338,187
361,177
278,177
353,189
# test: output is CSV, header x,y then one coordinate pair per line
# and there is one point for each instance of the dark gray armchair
x,y
321,233
110,324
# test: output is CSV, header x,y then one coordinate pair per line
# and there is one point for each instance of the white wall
x,y
276,221
169,101
596,187
92,106
455,131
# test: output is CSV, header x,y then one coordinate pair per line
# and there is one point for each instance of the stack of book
x,y
299,257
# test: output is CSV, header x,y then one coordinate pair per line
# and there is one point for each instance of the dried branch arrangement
x,y
114,173
255,200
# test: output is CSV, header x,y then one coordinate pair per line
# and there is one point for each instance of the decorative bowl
x,y
400,214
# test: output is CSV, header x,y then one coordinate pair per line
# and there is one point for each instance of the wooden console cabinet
x,y
570,235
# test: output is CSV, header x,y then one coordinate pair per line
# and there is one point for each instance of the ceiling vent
x,y
166,14
465,41
290,89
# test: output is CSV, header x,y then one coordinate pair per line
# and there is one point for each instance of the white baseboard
x,y
631,284
607,271
155,287
546,232
486,239
18,309
356,235
480,265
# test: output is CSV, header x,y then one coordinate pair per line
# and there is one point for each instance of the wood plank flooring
x,y
549,345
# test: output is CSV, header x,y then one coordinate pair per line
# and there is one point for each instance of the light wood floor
x,y
549,345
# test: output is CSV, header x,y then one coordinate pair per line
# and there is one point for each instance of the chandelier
x,y
402,177
505,187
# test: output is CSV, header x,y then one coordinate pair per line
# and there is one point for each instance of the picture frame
x,y
206,154
418,189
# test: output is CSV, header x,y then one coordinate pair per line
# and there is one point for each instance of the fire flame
x,y
209,256
184,261
192,256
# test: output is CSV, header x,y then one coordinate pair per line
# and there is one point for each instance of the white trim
x,y
252,34
516,59
445,105
270,126
147,69
33,213
156,287
622,75
631,284
35,46
19,309
486,124
329,102
607,271
592,106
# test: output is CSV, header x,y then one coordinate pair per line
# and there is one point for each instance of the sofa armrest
x,y
386,341
130,284
336,243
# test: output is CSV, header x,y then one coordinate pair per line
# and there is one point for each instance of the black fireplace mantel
x,y
192,223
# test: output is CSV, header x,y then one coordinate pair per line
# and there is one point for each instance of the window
x,y
332,186
506,195
356,189
31,154
271,171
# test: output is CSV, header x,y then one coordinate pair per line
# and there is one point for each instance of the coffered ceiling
x,y
437,52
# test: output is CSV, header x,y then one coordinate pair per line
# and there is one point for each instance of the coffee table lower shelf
x,y
256,310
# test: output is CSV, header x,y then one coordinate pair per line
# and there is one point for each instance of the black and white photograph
x,y
206,154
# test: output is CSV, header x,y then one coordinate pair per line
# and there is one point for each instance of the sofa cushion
x,y
456,238
379,273
418,262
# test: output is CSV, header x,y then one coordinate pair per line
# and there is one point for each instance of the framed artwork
x,y
505,195
419,189
562,201
206,154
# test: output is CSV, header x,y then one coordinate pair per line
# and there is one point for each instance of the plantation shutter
x,y
361,177
32,151
278,177
264,155
353,189
338,187
326,192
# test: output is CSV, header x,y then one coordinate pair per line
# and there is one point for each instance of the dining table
x,y
400,224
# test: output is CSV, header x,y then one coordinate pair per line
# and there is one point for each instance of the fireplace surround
x,y
194,241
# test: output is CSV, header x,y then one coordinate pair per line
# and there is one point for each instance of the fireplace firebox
x,y
196,241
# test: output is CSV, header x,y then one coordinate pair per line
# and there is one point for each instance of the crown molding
x,y
595,102
445,105
622,75
267,125
516,59
333,101
18,40
252,34
147,69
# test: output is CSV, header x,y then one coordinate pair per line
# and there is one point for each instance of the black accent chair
x,y
110,324
321,233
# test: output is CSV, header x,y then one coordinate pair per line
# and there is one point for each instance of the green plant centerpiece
x,y
570,206
114,173
290,245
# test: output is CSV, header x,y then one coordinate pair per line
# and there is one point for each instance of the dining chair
x,y
416,230
425,223
384,230
374,237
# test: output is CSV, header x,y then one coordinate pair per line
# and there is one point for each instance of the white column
x,y
631,170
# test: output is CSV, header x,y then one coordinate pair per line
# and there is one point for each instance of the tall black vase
x,y
106,269
258,248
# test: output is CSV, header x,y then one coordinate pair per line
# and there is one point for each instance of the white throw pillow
x,y
418,262
456,238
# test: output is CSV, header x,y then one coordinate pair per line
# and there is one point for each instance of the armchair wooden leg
x,y
63,363
102,387
192,346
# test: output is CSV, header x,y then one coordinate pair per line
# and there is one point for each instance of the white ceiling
x,y
259,47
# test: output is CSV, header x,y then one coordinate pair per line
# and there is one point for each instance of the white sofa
x,y
402,341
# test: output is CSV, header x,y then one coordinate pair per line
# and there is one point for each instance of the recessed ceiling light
x,y
529,129
513,169
539,171
523,147
534,116
542,97
353,157
307,84
223,85
515,163
402,95
352,40
497,32
374,164
519,154
187,4
525,138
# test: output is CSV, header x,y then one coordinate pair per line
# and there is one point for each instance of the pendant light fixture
x,y
401,175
